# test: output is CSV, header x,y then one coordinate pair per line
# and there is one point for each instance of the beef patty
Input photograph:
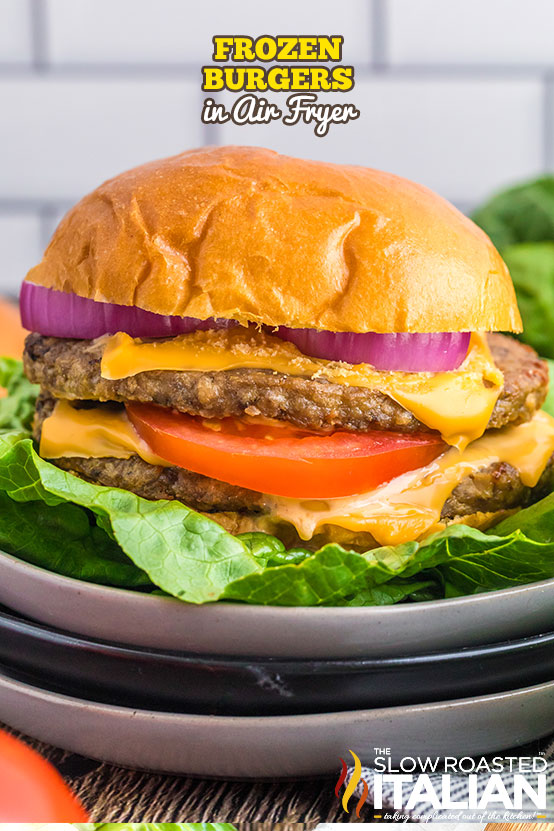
x,y
497,487
71,369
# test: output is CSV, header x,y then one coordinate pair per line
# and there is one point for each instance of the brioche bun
x,y
245,233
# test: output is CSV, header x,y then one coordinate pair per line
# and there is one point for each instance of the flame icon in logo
x,y
351,786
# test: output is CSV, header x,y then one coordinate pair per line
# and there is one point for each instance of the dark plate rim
x,y
11,676
10,621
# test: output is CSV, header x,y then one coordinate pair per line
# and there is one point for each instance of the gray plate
x,y
275,746
273,631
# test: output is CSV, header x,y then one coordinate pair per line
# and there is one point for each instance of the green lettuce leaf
x,y
548,405
469,561
395,591
524,213
64,538
520,222
531,265
327,576
18,406
458,560
536,521
270,551
181,551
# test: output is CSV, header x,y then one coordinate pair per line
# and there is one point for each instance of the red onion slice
x,y
64,315
60,314
404,351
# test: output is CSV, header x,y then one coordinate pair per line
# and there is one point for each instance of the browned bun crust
x,y
242,232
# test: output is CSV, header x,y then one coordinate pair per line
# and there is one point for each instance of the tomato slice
x,y
31,790
284,461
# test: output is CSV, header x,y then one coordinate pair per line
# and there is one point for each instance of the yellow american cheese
x,y
409,506
92,433
458,403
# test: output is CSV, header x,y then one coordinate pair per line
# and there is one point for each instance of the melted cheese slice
x,y
458,403
405,509
94,434
409,507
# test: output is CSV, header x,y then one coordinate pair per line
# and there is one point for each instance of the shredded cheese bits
x,y
458,403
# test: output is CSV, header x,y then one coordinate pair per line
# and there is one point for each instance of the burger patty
x,y
494,488
71,369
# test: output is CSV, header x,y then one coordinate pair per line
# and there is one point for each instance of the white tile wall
x,y
457,94
66,136
508,32
15,32
458,137
20,247
165,31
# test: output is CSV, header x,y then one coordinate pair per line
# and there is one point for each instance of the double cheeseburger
x,y
287,346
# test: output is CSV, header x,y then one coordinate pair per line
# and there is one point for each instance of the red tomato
x,y
282,460
31,790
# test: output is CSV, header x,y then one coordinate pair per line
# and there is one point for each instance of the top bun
x,y
244,233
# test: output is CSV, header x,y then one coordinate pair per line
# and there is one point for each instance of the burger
x,y
301,349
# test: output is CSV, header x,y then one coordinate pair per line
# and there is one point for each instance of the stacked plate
x,y
237,691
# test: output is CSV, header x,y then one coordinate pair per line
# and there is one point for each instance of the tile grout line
x,y
37,15
211,133
101,70
379,35
16,204
46,215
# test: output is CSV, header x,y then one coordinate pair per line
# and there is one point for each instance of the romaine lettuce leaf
x,y
395,591
64,538
520,222
181,551
524,213
531,265
325,577
469,561
548,405
18,406
536,521
458,560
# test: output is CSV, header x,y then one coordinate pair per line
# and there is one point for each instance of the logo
x,y
353,783
488,787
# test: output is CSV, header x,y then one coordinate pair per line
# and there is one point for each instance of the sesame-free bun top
x,y
245,233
